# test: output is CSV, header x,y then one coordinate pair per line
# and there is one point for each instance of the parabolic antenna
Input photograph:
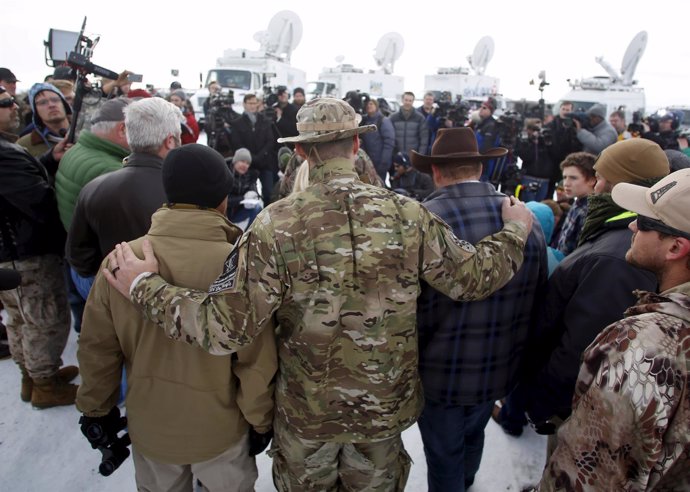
x,y
482,55
388,50
283,34
632,57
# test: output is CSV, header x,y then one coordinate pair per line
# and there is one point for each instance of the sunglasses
x,y
7,103
649,224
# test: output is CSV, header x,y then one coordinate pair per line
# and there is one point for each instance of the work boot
x,y
65,374
52,392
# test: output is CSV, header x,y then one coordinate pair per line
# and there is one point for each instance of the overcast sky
x,y
559,37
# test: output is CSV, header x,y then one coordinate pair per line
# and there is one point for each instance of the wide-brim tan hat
x,y
454,146
667,201
327,119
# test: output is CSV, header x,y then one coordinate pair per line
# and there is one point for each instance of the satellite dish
x,y
632,57
283,34
339,59
482,55
388,50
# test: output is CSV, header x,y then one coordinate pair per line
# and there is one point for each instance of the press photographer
x,y
596,133
663,129
563,134
219,115
539,172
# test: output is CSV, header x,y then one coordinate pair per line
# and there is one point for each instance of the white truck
x,y
379,83
250,71
453,83
459,82
338,81
616,91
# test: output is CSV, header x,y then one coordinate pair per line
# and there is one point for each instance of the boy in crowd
x,y
578,182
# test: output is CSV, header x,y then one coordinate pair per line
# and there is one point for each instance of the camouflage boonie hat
x,y
327,119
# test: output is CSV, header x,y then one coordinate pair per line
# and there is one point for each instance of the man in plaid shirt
x,y
469,352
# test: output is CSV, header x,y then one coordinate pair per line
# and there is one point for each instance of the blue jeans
x,y
74,297
453,438
83,284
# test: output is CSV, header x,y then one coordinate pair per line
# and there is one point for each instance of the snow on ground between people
x,y
44,450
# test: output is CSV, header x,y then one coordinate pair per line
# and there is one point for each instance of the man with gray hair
x,y
340,265
118,206
98,151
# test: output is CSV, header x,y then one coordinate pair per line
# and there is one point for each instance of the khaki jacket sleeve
x,y
465,272
238,305
256,367
99,354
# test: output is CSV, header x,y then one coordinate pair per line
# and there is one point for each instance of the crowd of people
x,y
327,279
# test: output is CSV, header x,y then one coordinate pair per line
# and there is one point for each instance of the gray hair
x,y
103,127
149,121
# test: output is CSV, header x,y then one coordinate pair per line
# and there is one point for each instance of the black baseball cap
x,y
7,75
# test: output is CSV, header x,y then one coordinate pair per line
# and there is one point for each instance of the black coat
x,y
112,208
590,289
258,139
29,220
287,124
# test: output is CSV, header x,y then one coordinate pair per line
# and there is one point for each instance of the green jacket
x,y
90,157
340,265
183,404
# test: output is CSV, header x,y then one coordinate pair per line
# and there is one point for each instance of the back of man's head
x,y
148,122
107,121
632,161
196,174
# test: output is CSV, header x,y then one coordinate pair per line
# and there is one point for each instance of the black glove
x,y
258,442
102,431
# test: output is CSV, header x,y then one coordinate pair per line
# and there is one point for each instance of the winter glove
x,y
258,442
102,431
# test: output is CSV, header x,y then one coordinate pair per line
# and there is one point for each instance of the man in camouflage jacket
x,y
630,426
339,265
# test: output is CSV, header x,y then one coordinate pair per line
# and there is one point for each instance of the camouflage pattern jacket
x,y
340,266
630,426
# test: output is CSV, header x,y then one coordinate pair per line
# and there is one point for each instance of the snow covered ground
x,y
43,450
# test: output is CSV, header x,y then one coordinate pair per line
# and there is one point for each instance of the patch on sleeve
x,y
466,246
226,280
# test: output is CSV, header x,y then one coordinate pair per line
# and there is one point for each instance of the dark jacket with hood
x,y
41,139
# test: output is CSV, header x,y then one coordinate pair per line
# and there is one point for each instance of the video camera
x,y
580,116
218,118
114,450
447,110
358,100
75,50
509,127
271,101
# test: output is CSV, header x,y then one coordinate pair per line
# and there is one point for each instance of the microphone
x,y
9,279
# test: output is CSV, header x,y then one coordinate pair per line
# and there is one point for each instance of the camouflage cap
x,y
327,119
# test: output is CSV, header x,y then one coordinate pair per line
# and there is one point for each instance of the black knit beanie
x,y
197,175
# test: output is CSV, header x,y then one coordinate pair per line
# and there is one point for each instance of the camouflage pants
x,y
301,465
38,315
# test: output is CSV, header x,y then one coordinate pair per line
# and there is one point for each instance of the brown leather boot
x,y
65,374
52,392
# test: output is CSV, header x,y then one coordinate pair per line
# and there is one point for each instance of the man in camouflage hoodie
x,y
339,264
630,425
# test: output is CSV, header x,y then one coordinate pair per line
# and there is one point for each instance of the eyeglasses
x,y
8,102
649,224
48,100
